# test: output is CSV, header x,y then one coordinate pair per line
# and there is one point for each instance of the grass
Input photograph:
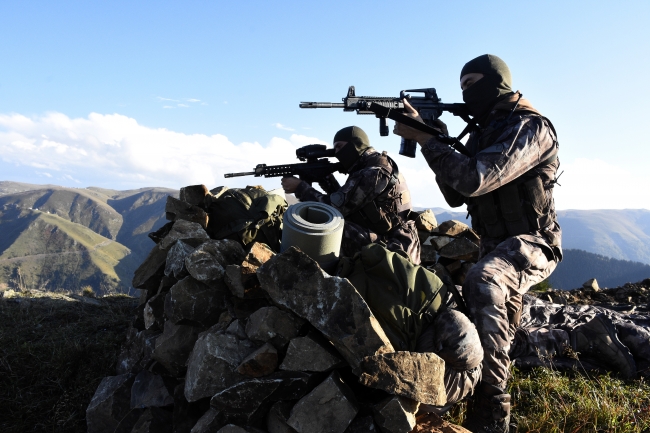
x,y
54,351
549,401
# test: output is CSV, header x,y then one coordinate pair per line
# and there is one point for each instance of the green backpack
x,y
246,214
403,297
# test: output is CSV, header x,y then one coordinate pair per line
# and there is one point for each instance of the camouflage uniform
x,y
454,338
516,143
367,180
545,329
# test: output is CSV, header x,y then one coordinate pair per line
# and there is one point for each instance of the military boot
x,y
597,340
489,411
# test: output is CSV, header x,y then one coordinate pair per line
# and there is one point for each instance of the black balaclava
x,y
496,82
358,143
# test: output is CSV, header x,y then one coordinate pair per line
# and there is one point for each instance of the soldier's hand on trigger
x,y
290,184
413,134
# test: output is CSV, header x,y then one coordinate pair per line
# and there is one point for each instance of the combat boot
x,y
489,411
597,340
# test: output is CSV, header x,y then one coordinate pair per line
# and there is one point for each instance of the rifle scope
x,y
314,151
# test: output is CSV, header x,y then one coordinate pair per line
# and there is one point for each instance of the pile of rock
x,y
629,298
449,249
228,339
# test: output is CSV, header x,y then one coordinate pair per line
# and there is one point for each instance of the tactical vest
x,y
391,205
518,207
404,297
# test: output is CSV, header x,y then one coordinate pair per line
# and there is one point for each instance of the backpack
x,y
403,297
247,215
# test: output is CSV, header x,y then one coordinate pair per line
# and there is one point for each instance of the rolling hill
x,y
56,238
52,237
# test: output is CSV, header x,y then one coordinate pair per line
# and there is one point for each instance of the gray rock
x,y
136,351
274,325
237,329
276,420
111,403
240,403
439,241
591,284
212,363
362,424
187,231
330,408
150,390
310,353
176,209
396,414
175,264
151,270
262,362
233,279
232,428
418,376
208,423
195,303
208,261
154,420
153,312
186,414
173,347
331,304
426,221
452,228
194,194
428,254
460,249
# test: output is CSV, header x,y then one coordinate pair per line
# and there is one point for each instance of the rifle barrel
x,y
248,173
322,105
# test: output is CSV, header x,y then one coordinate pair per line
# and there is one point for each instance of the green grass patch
x,y
550,401
53,353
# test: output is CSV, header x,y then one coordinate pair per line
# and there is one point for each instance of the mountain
x,y
67,238
52,237
579,266
619,234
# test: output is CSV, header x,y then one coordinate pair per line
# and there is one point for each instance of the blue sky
x,y
131,94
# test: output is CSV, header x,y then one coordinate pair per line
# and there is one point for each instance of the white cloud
x,y
168,106
283,127
183,105
193,100
160,98
114,150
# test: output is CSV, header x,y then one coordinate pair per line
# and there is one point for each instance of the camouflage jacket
x,y
367,180
509,147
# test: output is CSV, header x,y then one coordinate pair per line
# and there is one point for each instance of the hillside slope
x,y
65,238
50,253
579,266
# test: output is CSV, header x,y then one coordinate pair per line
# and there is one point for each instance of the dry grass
x,y
54,351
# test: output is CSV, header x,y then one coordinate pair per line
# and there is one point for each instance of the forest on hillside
x,y
578,266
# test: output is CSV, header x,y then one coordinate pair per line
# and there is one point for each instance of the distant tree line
x,y
578,266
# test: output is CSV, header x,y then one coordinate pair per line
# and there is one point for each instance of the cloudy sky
x,y
133,94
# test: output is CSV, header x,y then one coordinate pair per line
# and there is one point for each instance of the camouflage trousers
x,y
453,337
545,330
403,238
493,292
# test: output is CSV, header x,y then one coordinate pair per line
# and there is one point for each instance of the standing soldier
x,y
507,185
374,200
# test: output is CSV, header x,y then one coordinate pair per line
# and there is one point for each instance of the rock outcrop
x,y
240,339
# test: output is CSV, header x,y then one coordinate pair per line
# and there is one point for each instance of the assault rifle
x,y
428,106
313,170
